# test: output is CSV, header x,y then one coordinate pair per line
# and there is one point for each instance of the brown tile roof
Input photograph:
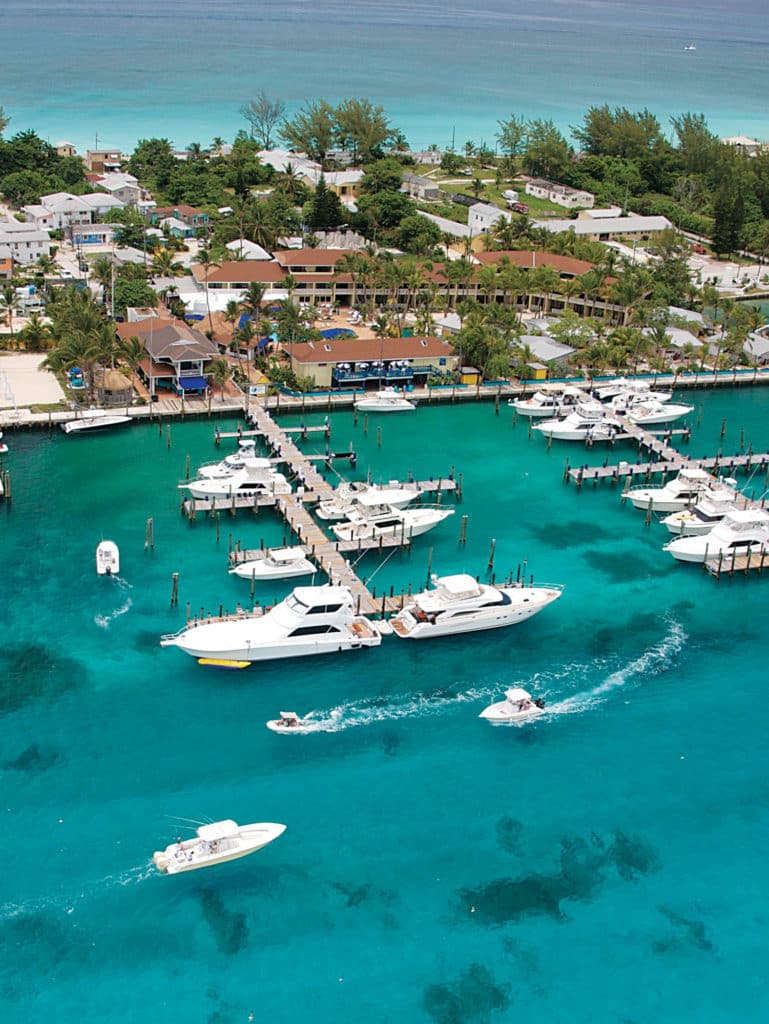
x,y
530,260
178,343
311,257
239,271
141,327
352,350
182,209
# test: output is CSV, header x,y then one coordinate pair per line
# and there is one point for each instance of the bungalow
x,y
94,234
346,184
417,187
483,216
176,228
634,226
551,353
756,348
191,216
355,362
177,355
561,195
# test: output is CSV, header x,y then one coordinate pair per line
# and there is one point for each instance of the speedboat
x,y
387,522
275,564
216,843
460,604
740,532
349,496
648,413
231,463
589,421
386,400
546,403
255,479
710,509
290,724
518,706
94,419
107,558
311,620
683,490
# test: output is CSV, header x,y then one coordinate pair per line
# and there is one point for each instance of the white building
x,y
26,242
483,216
122,186
562,195
602,230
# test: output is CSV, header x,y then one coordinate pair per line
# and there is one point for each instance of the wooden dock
x,y
748,461
728,565
302,430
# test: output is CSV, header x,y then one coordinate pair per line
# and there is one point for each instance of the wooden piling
x,y
379,437
429,564
149,535
490,565
174,589
463,530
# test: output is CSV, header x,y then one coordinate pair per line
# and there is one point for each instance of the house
x,y
348,362
634,226
483,216
177,228
744,145
756,348
427,157
6,263
553,354
421,188
25,242
561,195
190,216
122,186
177,355
93,234
346,183
61,211
101,161
65,148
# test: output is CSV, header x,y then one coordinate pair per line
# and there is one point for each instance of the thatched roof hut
x,y
113,388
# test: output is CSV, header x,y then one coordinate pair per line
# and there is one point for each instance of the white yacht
x,y
107,558
682,491
459,604
589,421
711,507
215,844
631,392
311,620
3,447
349,496
275,564
622,386
740,532
386,522
290,724
386,400
94,419
518,706
546,403
231,463
648,413
257,477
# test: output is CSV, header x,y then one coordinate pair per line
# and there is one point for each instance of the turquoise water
x,y
80,69
607,863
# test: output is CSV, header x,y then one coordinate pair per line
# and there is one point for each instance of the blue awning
x,y
192,383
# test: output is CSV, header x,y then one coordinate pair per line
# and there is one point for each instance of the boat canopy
x,y
286,554
517,694
219,830
289,716
192,383
461,585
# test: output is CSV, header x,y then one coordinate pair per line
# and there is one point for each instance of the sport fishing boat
x,y
710,509
546,403
589,421
460,604
231,463
386,400
635,391
387,522
3,447
648,413
214,844
518,706
107,558
256,478
94,419
349,496
311,620
624,386
682,491
740,532
275,564
290,724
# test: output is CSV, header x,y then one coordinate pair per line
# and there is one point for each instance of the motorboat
x,y
290,724
215,844
349,496
711,507
517,707
634,396
460,604
624,386
647,413
231,463
107,558
546,403
589,421
3,447
386,400
682,491
94,419
740,532
384,521
256,478
275,564
311,620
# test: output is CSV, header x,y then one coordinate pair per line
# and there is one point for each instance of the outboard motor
x,y
539,703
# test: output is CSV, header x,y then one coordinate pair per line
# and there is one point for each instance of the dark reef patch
x,y
571,534
356,895
472,997
509,832
32,672
229,928
624,566
33,759
692,934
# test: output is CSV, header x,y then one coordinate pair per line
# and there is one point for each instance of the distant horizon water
x,y
440,70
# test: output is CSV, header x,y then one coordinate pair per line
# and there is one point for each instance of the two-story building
x,y
177,355
367,363
25,242
419,187
191,217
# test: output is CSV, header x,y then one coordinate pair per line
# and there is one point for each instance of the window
x,y
313,630
323,609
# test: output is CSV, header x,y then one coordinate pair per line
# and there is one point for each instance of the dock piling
x,y
149,535
175,590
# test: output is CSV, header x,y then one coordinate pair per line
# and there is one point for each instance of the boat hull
x,y
497,715
259,571
174,861
454,625
415,528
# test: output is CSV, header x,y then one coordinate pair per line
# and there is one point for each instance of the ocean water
x,y
606,863
112,73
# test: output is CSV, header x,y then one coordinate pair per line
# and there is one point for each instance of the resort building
x,y
245,249
177,355
604,229
346,362
561,195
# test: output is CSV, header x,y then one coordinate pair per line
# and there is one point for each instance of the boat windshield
x,y
295,605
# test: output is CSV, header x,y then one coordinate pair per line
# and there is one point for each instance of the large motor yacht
x,y
386,400
740,532
459,604
349,496
682,491
546,403
255,479
311,620
710,509
231,463
215,844
400,524
589,421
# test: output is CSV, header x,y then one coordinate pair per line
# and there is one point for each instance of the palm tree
x,y
10,303
219,371
204,259
164,265
35,335
132,352
103,272
251,300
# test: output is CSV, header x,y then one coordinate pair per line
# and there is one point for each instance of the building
x,y
61,211
566,267
176,228
561,195
26,243
483,216
93,234
6,263
421,188
124,187
634,227
190,216
65,148
549,352
354,362
177,355
245,249
103,161
744,145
